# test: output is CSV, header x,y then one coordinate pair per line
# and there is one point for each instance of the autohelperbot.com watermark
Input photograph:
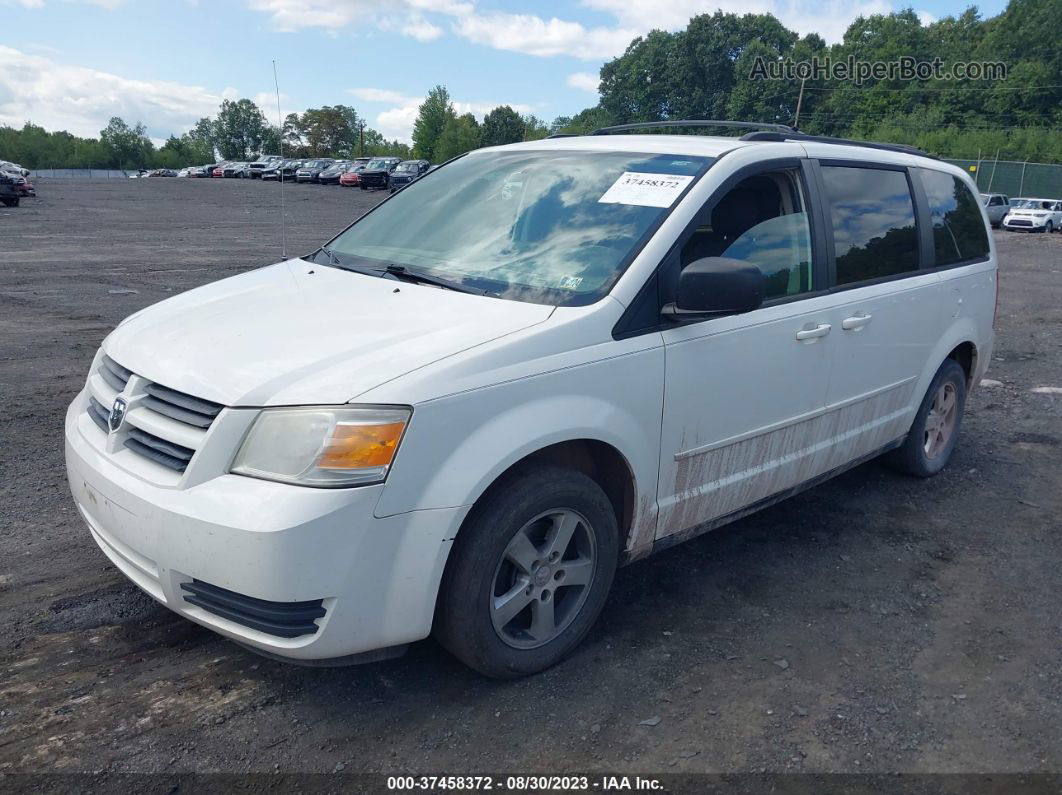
x,y
859,72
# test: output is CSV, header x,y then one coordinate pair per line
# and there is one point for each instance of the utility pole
x,y
800,101
361,138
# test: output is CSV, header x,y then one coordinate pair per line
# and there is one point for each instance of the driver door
x,y
745,394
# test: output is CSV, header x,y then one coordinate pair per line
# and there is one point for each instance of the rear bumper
x,y
375,579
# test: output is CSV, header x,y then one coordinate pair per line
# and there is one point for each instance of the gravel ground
x,y
876,623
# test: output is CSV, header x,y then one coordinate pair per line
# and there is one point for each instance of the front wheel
x,y
935,430
530,572
1049,227
13,202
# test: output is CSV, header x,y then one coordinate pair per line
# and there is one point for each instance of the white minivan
x,y
533,365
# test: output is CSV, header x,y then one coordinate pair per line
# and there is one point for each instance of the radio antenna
x,y
280,175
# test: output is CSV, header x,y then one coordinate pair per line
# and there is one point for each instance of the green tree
x,y
460,135
127,147
434,112
502,125
239,129
534,128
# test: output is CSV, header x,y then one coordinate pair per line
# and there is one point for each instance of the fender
x,y
440,464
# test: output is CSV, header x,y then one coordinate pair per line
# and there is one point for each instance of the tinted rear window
x,y
958,229
873,220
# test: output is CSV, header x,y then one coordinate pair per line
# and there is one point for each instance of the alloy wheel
x,y
941,420
543,578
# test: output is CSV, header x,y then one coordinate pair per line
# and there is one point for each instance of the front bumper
x,y
377,578
1025,224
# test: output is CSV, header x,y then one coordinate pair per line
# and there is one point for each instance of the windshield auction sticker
x,y
646,190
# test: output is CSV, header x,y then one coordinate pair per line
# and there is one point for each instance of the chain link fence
x,y
1013,178
80,173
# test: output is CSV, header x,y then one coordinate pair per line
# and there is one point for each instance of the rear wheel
x,y
12,202
530,572
935,430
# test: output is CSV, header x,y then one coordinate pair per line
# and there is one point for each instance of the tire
x,y
548,619
362,187
919,455
1049,227
11,202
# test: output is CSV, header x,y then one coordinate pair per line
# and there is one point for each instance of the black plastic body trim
x,y
282,619
740,125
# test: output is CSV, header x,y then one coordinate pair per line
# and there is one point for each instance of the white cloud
x,y
81,100
533,35
382,95
584,81
926,18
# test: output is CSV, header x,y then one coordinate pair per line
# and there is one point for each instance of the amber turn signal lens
x,y
360,446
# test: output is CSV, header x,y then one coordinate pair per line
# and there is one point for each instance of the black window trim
x,y
650,290
916,176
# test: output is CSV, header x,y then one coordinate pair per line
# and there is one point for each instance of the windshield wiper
x,y
332,258
402,272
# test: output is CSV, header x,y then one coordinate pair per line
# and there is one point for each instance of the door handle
x,y
812,334
855,322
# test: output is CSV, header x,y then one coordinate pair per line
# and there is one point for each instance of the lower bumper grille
x,y
1018,222
282,619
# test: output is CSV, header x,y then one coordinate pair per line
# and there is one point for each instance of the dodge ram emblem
x,y
114,419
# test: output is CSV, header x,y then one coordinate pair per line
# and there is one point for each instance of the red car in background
x,y
348,178
25,187
219,171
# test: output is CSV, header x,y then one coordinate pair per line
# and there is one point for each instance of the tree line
x,y
239,132
707,71
440,133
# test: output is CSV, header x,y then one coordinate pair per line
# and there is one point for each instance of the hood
x,y
298,333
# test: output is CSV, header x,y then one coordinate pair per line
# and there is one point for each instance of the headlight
x,y
341,446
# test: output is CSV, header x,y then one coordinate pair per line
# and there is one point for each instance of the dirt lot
x,y
876,623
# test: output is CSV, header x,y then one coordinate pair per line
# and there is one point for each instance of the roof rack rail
x,y
563,135
825,139
743,125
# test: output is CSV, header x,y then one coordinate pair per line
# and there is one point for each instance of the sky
x,y
72,64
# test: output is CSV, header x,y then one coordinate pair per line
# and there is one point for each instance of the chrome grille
x,y
162,425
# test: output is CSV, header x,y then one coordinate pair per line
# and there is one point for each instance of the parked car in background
x,y
407,171
25,187
200,172
237,170
377,172
9,195
310,170
331,175
1034,215
349,178
184,172
14,168
261,164
996,205
219,170
284,172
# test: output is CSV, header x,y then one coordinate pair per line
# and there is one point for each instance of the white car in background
x,y
996,206
1034,215
532,365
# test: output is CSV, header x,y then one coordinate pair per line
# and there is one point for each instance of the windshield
x,y
1032,204
406,167
546,227
378,164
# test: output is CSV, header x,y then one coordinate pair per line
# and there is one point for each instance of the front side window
x,y
873,219
958,230
553,227
762,220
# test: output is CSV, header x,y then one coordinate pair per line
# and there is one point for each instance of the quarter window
x,y
958,229
873,218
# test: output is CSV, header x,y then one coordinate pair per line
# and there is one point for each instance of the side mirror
x,y
717,286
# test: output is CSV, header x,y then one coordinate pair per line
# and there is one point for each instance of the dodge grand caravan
x,y
535,364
